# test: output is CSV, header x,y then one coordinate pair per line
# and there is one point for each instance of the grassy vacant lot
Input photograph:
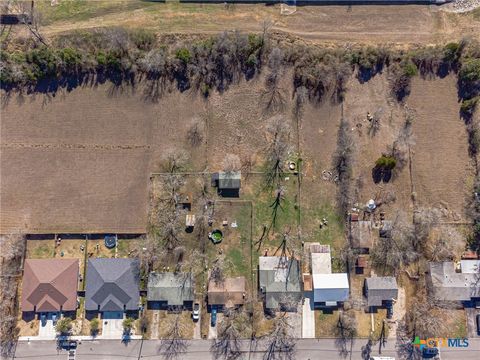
x,y
400,24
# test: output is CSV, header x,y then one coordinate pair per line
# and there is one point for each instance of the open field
x,y
83,172
367,24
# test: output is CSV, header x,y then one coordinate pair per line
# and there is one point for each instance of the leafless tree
x,y
231,163
29,17
12,246
280,345
342,163
171,225
155,65
235,324
346,331
301,97
247,163
175,161
398,249
219,268
195,134
278,132
272,96
424,319
444,245
174,345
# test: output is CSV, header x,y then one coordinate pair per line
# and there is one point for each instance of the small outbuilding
x,y
228,183
227,293
380,291
362,235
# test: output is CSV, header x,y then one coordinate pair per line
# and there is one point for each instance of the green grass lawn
x,y
80,10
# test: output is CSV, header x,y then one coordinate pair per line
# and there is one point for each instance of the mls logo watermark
x,y
440,342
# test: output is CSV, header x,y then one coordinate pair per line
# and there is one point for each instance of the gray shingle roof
x,y
112,284
448,285
380,289
173,288
279,278
229,180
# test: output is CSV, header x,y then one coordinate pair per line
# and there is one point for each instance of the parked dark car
x,y
213,317
478,324
68,344
429,352
389,311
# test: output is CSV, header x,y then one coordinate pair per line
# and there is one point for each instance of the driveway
x,y
212,330
308,317
471,314
47,330
112,325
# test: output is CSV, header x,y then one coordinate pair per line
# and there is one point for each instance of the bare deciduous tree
x,y
346,331
174,345
280,345
231,163
342,163
12,246
175,161
444,245
235,324
278,132
195,134
272,96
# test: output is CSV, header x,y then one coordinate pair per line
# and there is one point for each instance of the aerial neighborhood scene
x,y
275,180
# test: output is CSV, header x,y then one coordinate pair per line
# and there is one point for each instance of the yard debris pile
x,y
460,6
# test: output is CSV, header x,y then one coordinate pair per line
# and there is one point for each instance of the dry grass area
x,y
364,321
166,319
43,191
397,23
28,328
325,323
40,249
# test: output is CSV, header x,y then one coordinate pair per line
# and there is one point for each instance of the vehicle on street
x,y
429,352
478,324
43,319
213,317
196,312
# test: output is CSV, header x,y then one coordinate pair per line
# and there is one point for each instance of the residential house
x,y
279,282
446,284
50,285
112,286
170,290
328,289
380,290
227,293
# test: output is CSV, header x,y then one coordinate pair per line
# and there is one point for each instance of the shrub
x,y
386,162
468,106
64,326
184,55
409,69
452,52
94,326
470,70
128,324
143,39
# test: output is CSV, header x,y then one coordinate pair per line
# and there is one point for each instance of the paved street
x,y
324,349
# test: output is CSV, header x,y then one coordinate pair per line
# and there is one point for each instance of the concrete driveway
x,y
472,322
47,330
112,325
212,330
308,317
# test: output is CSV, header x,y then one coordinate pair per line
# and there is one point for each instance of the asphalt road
x,y
307,349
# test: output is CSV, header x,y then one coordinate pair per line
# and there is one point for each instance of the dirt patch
x,y
440,161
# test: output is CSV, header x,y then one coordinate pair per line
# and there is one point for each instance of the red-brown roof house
x,y
50,285
229,292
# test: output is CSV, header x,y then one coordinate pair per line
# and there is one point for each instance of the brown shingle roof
x,y
50,285
230,292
